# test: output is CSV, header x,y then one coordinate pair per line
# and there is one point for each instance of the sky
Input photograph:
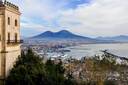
x,y
90,18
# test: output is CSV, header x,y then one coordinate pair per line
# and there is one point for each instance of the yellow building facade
x,y
9,37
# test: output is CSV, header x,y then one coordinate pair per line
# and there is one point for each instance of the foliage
x,y
109,82
55,73
30,70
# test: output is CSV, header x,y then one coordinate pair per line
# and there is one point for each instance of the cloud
x,y
41,15
99,18
85,17
46,9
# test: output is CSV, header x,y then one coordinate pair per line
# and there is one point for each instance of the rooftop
x,y
8,4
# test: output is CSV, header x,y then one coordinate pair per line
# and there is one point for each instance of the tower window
x,y
0,37
8,20
16,23
8,37
15,37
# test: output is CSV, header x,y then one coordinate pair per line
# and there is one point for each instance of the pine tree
x,y
28,70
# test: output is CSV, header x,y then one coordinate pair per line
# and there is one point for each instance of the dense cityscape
x,y
98,68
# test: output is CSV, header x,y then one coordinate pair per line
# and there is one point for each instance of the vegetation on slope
x,y
29,69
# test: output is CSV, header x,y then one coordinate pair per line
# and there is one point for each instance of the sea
x,y
89,50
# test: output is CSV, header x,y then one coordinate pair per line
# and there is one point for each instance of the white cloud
x,y
100,18
46,9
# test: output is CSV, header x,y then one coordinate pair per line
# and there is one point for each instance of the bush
x,y
109,82
30,70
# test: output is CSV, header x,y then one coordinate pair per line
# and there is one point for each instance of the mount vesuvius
x,y
65,35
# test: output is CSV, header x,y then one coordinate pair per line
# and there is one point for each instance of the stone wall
x,y
9,52
11,58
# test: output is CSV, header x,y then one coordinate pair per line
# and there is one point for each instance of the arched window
x,y
16,22
8,20
15,37
8,37
0,37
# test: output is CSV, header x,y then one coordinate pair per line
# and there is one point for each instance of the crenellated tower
x,y
9,37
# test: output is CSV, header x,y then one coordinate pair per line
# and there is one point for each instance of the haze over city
x,y
90,18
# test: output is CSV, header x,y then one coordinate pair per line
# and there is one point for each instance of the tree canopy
x,y
29,69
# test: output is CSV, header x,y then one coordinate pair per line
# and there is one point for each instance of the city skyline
x,y
84,17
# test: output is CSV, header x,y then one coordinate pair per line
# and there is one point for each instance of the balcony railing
x,y
14,41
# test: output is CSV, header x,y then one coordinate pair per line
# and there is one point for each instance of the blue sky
x,y
84,17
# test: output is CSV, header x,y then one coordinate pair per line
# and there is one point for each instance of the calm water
x,y
92,49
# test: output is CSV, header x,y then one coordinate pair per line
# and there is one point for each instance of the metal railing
x,y
14,41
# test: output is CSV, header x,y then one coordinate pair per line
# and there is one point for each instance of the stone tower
x,y
9,37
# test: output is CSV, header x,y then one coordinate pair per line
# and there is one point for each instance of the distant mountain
x,y
121,38
61,34
64,35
